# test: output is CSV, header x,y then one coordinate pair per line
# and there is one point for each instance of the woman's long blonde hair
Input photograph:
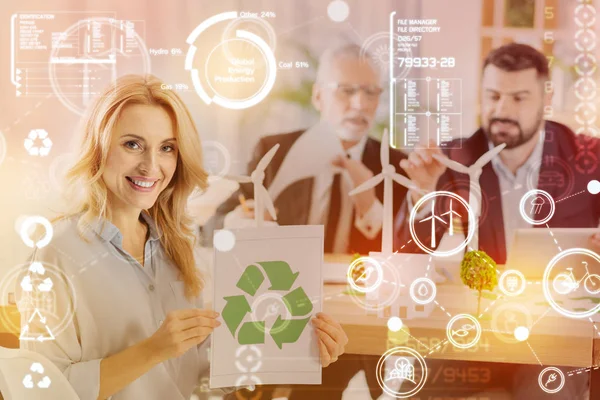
x,y
169,211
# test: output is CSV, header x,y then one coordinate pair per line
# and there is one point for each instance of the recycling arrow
x,y
298,302
252,333
235,310
280,274
287,330
251,280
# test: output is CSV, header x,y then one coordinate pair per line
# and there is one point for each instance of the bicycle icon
x,y
565,283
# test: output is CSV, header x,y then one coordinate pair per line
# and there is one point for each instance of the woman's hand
x,y
181,330
332,338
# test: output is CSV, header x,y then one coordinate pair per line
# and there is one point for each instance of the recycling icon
x,y
27,281
43,383
284,330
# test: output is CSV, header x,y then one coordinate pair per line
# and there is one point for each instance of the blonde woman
x,y
139,329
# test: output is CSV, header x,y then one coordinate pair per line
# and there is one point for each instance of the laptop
x,y
533,248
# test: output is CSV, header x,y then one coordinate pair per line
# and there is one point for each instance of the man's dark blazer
x,y
569,162
293,204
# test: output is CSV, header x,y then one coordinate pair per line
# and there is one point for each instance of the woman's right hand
x,y
180,331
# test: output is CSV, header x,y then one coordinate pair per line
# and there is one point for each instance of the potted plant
x,y
478,272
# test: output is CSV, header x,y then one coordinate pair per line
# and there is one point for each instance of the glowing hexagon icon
x,y
38,143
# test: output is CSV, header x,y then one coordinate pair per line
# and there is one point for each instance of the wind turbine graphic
x,y
261,195
388,175
451,213
433,217
474,172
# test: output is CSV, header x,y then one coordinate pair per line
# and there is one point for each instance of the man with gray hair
x,y
346,94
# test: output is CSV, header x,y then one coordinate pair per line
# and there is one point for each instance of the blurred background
x,y
38,96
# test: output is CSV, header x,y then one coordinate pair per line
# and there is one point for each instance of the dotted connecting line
x,y
564,198
437,347
404,245
582,370
417,340
301,25
484,260
553,238
428,267
443,309
393,283
497,331
540,317
37,105
594,325
488,307
536,357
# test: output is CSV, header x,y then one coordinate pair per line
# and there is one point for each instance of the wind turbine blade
x,y
262,164
404,181
268,202
453,165
487,157
439,219
240,179
374,181
385,149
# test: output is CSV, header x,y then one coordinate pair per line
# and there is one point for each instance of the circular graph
x,y
233,70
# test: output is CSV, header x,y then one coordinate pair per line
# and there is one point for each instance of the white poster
x,y
267,288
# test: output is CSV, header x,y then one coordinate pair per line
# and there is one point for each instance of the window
x,y
526,21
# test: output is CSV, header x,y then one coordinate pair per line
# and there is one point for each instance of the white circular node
x,y
28,223
404,369
371,266
534,200
512,282
338,10
463,331
224,240
394,324
376,300
506,317
422,291
548,380
428,114
593,187
433,196
552,286
521,333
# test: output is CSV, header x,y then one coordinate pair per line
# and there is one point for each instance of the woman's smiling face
x,y
142,157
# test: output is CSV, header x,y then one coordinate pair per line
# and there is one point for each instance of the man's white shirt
x,y
368,224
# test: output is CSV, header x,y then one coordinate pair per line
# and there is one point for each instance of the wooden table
x,y
554,339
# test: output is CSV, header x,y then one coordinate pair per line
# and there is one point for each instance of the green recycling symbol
x,y
296,301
